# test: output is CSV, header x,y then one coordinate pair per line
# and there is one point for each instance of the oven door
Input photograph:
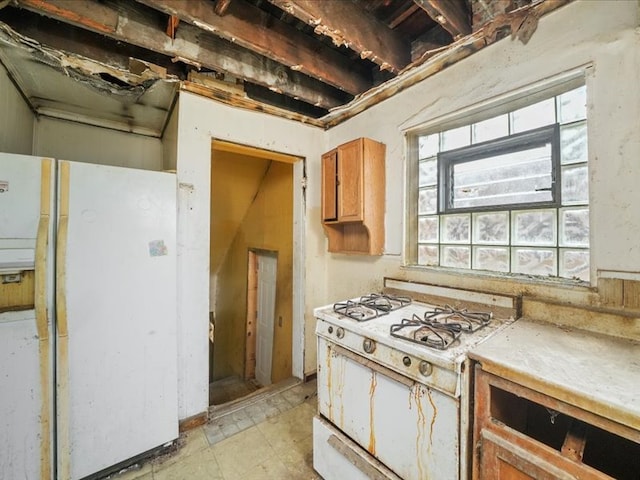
x,y
410,428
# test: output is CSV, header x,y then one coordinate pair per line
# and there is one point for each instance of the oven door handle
x,y
351,454
406,381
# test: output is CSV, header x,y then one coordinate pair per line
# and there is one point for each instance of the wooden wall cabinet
x,y
353,197
522,434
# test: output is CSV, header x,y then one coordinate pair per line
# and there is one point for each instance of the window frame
x,y
505,145
426,123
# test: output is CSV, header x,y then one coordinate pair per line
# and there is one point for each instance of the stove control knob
x,y
340,332
425,368
330,329
368,345
406,361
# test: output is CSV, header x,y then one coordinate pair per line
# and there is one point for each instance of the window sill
x,y
477,275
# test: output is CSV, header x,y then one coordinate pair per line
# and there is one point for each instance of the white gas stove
x,y
394,384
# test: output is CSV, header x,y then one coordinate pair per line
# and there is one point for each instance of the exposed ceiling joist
x,y
74,40
293,58
346,24
451,14
252,28
402,16
221,6
191,45
172,26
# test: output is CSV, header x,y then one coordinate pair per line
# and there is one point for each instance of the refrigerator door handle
x,y
42,321
63,439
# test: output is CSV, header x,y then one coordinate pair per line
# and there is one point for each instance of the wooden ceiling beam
x,y
191,45
403,16
255,29
76,41
347,24
221,6
451,14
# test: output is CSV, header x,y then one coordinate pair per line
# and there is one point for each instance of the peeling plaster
x,y
89,72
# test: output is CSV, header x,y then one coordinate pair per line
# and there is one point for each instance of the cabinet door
x,y
330,186
350,185
511,458
499,462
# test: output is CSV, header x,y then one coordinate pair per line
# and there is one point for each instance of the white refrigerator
x,y
88,352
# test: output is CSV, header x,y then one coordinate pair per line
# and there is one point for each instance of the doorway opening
x,y
252,268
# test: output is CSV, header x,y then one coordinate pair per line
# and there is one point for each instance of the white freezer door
x,y
20,179
116,268
26,369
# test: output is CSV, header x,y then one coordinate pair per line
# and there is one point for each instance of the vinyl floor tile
x,y
267,439
239,454
200,465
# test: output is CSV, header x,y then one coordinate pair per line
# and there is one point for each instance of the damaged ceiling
x,y
309,60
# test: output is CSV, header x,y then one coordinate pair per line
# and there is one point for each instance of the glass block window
x,y
508,193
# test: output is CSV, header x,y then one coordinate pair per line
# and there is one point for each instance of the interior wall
x,y
170,141
235,180
200,120
16,124
599,33
267,225
66,140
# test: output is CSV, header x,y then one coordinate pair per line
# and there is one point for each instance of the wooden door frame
x,y
251,326
299,240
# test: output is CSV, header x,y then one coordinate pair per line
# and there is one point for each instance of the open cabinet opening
x,y
604,451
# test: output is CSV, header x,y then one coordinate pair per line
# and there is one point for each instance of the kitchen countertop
x,y
594,372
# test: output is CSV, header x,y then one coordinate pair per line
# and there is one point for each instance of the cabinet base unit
x,y
524,434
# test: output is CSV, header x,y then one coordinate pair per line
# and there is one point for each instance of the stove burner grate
x,y
468,322
416,330
370,306
440,327
357,311
385,302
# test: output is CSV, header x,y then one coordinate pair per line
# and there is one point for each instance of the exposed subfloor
x,y
229,389
269,436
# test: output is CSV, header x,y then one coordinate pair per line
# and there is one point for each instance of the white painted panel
x,y
199,120
16,122
266,308
20,200
79,142
19,396
373,409
121,304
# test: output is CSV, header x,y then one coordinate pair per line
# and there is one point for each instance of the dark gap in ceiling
x,y
262,94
